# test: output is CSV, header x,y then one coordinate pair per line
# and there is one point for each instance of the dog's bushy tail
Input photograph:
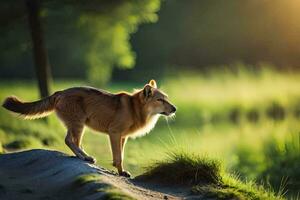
x,y
30,110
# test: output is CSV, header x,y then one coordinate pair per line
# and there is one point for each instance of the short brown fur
x,y
120,115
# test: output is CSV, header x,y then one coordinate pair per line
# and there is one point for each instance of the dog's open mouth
x,y
164,113
167,114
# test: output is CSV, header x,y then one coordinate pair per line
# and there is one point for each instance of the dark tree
x,y
40,53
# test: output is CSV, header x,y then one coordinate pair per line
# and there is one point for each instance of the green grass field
x,y
248,121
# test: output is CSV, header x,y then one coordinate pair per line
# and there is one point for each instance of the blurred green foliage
x,y
84,40
110,35
210,34
92,40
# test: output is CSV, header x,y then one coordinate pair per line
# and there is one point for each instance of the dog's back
x,y
87,106
77,103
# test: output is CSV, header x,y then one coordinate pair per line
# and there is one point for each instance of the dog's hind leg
x,y
69,140
73,140
77,141
70,111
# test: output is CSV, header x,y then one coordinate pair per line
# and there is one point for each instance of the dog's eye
x,y
160,100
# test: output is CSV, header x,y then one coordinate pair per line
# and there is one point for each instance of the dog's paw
x,y
90,159
125,174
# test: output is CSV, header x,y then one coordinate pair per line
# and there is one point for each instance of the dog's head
x,y
156,101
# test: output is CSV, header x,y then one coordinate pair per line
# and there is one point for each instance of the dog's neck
x,y
143,120
140,113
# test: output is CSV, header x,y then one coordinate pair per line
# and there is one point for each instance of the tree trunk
x,y
40,54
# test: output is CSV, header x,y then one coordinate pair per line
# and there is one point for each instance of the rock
x,y
44,174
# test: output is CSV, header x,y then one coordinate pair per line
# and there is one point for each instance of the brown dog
x,y
120,115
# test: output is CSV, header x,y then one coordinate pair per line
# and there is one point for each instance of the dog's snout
x,y
173,109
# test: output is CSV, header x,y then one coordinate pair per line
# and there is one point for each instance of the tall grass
x,y
243,95
277,163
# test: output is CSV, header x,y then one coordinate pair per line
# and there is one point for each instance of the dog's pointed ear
x,y
148,91
153,83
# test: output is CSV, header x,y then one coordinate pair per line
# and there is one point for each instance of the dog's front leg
x,y
123,143
116,147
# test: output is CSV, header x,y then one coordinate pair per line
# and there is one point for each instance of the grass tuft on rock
x,y
85,179
93,180
205,177
114,194
184,168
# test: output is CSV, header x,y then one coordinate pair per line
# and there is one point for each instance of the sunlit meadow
x,y
232,116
